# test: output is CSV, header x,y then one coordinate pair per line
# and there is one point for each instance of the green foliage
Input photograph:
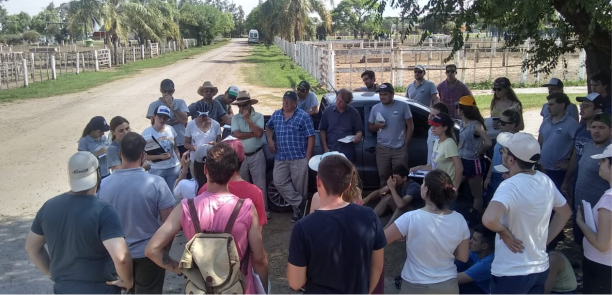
x,y
14,39
204,22
16,23
290,19
31,36
352,15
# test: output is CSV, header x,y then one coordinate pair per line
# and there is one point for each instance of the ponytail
x,y
87,130
440,188
354,192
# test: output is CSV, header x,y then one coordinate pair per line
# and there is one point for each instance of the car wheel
x,y
276,202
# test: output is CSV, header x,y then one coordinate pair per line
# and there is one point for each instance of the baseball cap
x,y
441,120
98,123
167,84
501,168
200,153
502,82
603,118
202,114
162,111
522,145
233,91
466,100
315,160
385,87
238,148
597,99
420,67
291,95
82,171
554,82
607,153
304,85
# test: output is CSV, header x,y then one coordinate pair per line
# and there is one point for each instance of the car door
x,y
368,159
417,149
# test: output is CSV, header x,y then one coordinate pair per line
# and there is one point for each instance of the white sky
x,y
33,7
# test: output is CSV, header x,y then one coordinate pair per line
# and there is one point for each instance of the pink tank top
x,y
214,211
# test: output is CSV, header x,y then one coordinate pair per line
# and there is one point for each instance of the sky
x,y
33,7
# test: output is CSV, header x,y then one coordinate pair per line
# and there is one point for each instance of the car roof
x,y
363,97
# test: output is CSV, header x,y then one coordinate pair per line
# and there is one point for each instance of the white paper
x,y
101,156
347,139
227,126
418,173
379,118
229,137
589,219
259,289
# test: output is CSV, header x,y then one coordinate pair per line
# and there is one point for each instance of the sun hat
x,y
199,155
207,85
244,97
82,171
315,160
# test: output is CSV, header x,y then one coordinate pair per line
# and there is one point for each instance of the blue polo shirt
x,y
338,125
478,269
292,134
88,144
423,92
572,110
557,140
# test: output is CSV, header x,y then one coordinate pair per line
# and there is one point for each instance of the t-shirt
x,y
215,109
166,139
589,186
412,189
480,270
180,105
186,189
431,241
245,190
450,94
240,124
336,247
226,107
74,227
557,140
338,125
423,92
395,115
529,201
88,144
138,197
590,252
112,155
583,136
431,139
198,137
308,103
571,110
441,158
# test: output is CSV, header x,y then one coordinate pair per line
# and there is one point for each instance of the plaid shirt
x,y
291,135
450,95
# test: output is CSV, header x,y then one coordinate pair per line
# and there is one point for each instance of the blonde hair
x,y
353,194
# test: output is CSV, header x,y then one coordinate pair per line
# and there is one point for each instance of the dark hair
x,y
88,129
450,66
602,78
488,236
515,117
511,96
603,118
401,170
560,98
523,165
346,94
450,131
198,174
368,73
440,188
221,163
335,172
132,146
440,106
472,113
115,122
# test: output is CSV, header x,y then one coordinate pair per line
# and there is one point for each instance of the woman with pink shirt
x,y
214,208
597,241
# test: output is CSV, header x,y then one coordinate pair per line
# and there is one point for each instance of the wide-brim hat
x,y
244,97
313,163
207,85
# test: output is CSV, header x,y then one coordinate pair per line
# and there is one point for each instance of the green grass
x,y
272,68
529,101
87,80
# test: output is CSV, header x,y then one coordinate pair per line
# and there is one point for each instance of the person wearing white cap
x,y
86,251
421,90
141,200
556,86
166,164
597,242
520,214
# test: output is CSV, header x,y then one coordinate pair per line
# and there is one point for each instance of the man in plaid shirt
x,y
451,90
295,139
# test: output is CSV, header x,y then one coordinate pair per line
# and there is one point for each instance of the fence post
x,y
141,52
77,63
331,75
400,65
430,48
96,61
32,65
174,44
581,65
525,57
109,59
122,55
53,73
134,53
25,72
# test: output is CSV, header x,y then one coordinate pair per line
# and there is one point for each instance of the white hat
x,y
522,145
315,160
607,153
199,155
83,171
162,110
233,91
501,168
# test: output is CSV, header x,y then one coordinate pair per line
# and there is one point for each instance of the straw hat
x,y
244,97
208,85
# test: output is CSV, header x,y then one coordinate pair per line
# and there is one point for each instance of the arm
x,y
271,143
226,120
310,148
409,130
486,141
601,239
392,233
187,144
421,167
218,139
35,247
397,199
119,252
462,253
255,129
157,157
376,267
458,171
164,235
555,265
323,138
435,98
558,222
296,276
313,111
243,135
260,259
184,169
375,194
569,175
491,219
375,127
181,117
315,203
100,152
462,278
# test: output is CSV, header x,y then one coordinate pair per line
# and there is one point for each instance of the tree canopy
x,y
353,16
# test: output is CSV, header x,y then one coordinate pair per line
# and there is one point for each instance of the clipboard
x,y
153,148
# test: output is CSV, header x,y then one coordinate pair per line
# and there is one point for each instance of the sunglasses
x,y
497,89
301,90
418,72
585,106
231,97
503,123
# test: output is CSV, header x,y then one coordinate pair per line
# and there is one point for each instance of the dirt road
x,y
43,134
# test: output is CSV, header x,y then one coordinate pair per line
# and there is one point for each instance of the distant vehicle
x,y
253,36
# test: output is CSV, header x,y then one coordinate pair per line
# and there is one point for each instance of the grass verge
x,y
529,101
87,80
272,68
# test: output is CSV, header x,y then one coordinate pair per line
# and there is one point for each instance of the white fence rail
x,y
318,61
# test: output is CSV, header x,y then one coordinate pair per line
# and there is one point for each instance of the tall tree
x,y
351,15
83,14
16,23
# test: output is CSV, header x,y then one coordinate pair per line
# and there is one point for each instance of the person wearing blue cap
x,y
294,145
94,141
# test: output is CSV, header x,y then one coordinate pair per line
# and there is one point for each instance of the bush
x,y
31,36
11,39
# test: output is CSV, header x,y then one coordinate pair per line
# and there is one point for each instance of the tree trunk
x,y
355,34
597,61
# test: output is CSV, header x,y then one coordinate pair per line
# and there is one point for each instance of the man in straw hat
x,y
248,127
208,104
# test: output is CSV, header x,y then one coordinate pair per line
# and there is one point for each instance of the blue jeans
x,y
527,284
170,175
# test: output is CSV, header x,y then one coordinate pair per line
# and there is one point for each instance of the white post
x,y
77,63
494,47
525,57
581,65
109,59
96,61
174,44
32,65
430,48
331,76
400,65
25,72
53,73
141,52
133,53
122,56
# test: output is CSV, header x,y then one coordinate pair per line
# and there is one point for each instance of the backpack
x,y
211,262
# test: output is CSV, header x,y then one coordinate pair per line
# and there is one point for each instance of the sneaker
x,y
296,216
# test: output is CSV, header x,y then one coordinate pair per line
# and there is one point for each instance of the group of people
x,y
128,200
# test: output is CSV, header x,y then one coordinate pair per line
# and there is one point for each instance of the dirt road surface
x,y
43,134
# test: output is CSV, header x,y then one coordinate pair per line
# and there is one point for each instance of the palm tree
x,y
299,11
290,20
83,12
115,24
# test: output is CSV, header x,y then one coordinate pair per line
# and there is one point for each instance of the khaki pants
x,y
253,170
291,180
386,158
447,287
